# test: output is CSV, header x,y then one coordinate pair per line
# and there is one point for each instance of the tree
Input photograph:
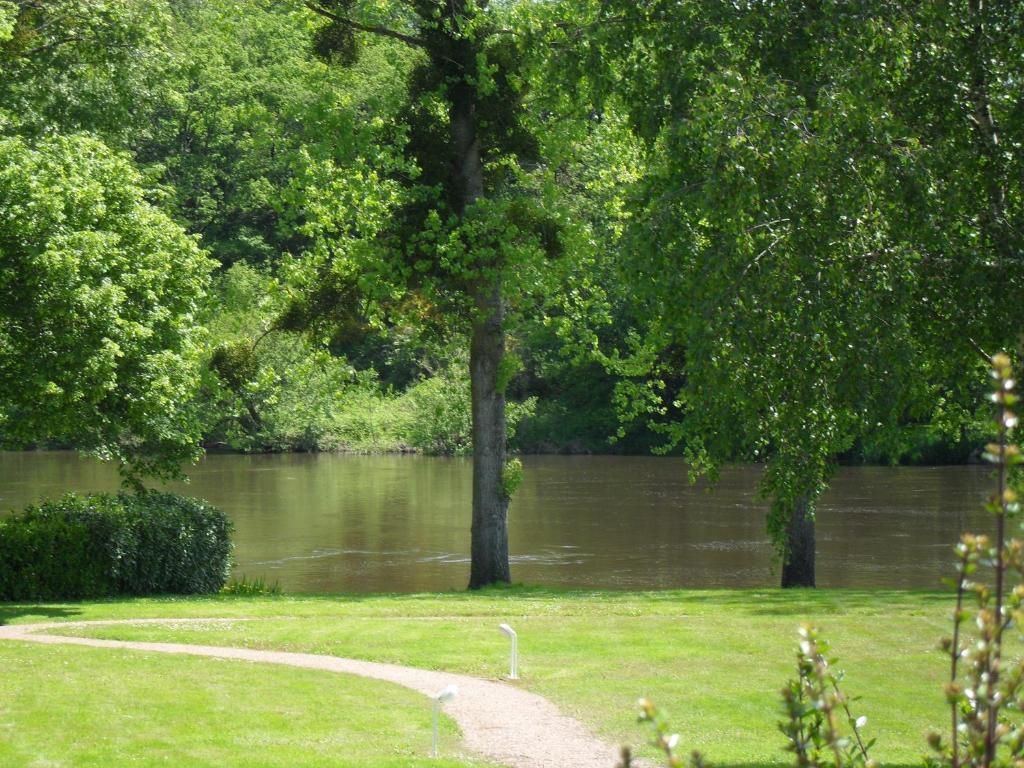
x,y
99,299
816,229
101,292
454,231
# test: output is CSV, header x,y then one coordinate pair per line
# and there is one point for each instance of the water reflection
x,y
324,523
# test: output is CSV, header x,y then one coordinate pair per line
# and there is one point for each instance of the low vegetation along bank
x,y
101,545
715,661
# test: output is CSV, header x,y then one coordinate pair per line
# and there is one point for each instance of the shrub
x,y
820,729
102,545
440,412
250,587
985,691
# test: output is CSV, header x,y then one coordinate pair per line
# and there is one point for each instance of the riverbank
x,y
715,660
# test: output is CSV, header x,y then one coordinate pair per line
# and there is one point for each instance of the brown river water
x,y
331,523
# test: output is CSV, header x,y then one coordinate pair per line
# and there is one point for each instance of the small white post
x,y
440,698
514,666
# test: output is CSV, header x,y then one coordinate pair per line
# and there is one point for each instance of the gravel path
x,y
499,721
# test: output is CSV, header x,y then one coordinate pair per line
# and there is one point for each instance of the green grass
x,y
73,706
715,660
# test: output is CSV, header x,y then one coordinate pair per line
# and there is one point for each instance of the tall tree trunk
x,y
489,549
798,568
490,504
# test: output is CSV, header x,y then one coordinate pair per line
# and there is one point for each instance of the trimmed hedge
x,y
102,545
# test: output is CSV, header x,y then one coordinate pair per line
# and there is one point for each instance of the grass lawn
x,y
714,660
72,706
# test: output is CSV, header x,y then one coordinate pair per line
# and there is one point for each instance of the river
x,y
332,523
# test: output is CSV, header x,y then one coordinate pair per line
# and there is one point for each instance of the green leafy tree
x,y
99,301
824,229
451,231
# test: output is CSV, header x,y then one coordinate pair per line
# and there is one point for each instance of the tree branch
x,y
368,28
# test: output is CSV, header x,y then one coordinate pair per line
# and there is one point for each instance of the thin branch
x,y
996,656
580,30
55,44
862,748
50,45
977,348
369,28
261,337
759,256
953,661
764,224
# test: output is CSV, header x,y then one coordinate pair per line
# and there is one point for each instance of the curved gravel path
x,y
499,721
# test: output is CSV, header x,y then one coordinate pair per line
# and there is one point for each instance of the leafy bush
x,y
985,691
439,414
820,728
270,389
102,545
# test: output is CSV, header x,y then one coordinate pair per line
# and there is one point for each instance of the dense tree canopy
x,y
828,230
82,65
99,298
780,232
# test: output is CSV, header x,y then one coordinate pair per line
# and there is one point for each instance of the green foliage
x,y
369,419
271,389
681,204
235,363
50,557
99,296
813,224
511,477
245,111
439,418
510,365
268,389
82,66
245,587
101,545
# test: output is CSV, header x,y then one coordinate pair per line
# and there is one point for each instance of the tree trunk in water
x,y
798,569
490,504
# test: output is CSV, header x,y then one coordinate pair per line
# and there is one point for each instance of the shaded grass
x,y
715,659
